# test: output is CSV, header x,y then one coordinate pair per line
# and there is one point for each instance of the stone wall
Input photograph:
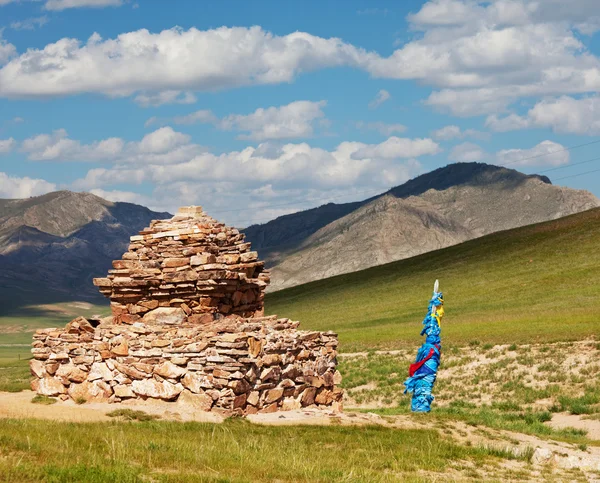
x,y
187,326
233,365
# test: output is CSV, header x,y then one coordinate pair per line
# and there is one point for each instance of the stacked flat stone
x,y
191,262
232,365
165,341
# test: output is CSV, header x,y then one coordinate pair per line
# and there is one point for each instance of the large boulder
x,y
100,370
95,391
169,370
165,315
72,373
159,390
201,402
48,386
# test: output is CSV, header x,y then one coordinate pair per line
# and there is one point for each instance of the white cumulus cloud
x,y
350,164
29,23
447,133
165,97
297,119
124,196
15,187
479,56
203,116
7,145
294,120
467,153
65,4
7,50
563,115
546,153
381,97
395,147
164,145
171,60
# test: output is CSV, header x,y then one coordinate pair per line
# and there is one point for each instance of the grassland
x,y
516,388
235,451
14,375
518,303
534,284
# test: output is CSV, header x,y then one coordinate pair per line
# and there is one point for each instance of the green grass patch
x,y
589,403
44,400
494,293
15,376
132,415
235,451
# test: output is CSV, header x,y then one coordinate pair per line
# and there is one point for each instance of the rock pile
x,y
188,326
191,262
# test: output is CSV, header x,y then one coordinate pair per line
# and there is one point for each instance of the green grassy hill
x,y
539,283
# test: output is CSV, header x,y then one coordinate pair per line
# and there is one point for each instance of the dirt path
x,y
19,405
565,420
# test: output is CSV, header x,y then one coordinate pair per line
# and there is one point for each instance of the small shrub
x,y
526,360
132,415
583,447
581,405
512,347
537,417
527,454
39,399
80,400
559,377
590,370
474,343
548,367
506,406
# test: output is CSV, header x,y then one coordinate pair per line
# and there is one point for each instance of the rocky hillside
x,y
447,206
52,246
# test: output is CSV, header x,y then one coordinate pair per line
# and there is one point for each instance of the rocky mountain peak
x,y
465,174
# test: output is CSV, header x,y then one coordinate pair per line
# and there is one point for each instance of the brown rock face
x,y
187,300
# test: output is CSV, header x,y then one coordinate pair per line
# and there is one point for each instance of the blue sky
x,y
256,109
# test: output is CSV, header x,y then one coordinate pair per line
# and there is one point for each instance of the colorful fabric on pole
x,y
423,372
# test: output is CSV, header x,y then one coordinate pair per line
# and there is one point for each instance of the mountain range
x,y
447,206
51,246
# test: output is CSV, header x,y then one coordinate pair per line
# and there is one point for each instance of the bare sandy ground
x,y
19,405
565,420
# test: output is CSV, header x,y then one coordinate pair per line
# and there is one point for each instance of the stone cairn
x,y
188,325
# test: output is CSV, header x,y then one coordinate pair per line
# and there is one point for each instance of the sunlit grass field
x,y
537,284
235,451
534,284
